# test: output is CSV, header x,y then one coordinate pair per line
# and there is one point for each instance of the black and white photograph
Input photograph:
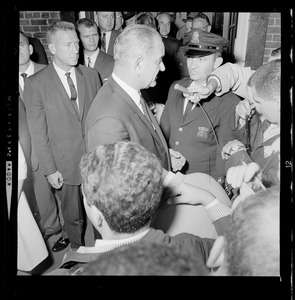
x,y
147,144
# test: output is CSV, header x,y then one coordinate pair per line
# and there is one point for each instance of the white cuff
x,y
217,210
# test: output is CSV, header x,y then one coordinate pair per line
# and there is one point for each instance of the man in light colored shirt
x,y
38,191
106,23
92,56
57,99
122,188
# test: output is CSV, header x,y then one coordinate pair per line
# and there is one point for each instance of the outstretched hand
x,y
186,193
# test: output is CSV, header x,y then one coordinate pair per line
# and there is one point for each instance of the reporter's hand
x,y
177,160
235,176
56,180
200,92
245,191
227,149
185,193
245,108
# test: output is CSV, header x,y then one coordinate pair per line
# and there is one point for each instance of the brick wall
x,y
273,35
35,23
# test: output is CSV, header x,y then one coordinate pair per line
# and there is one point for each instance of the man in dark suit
x,y
38,191
106,23
117,112
57,100
91,56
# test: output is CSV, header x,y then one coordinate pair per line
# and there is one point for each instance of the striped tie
x,y
103,42
73,92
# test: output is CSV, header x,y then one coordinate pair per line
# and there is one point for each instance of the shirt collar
x,y
61,72
108,245
272,130
30,70
134,94
93,56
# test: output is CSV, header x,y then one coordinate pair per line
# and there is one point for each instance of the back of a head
x,y
135,39
252,238
146,18
267,79
144,258
124,181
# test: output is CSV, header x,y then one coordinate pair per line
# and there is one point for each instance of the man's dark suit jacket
x,y
57,133
113,37
104,64
113,116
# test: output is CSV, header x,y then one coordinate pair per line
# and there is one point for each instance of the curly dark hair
x,y
124,181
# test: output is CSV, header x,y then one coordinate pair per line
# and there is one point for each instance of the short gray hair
x,y
57,26
135,39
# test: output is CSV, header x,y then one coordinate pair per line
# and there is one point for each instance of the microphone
x,y
182,89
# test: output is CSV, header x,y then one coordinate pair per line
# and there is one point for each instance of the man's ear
x,y
138,65
209,28
216,256
51,48
93,213
218,62
31,49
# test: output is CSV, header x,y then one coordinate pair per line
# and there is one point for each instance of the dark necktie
x,y
24,76
89,62
103,42
73,92
146,111
188,108
150,117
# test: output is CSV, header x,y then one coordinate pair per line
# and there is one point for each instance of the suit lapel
x,y
81,91
57,85
136,110
20,90
197,112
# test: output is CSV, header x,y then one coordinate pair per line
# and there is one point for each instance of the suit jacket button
x,y
180,129
177,143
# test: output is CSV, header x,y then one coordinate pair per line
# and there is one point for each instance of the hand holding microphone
x,y
194,93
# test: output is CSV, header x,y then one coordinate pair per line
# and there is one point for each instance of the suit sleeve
x,y
226,125
38,127
106,130
234,78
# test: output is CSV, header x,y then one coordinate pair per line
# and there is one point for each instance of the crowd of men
x,y
132,120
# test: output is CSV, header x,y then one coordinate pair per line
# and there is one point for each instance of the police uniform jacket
x,y
194,137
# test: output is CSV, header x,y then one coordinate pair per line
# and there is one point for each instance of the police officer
x,y
199,130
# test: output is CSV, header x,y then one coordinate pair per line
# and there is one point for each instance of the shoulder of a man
x,y
72,261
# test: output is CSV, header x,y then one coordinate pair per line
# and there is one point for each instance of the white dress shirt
x,y
29,71
61,73
92,58
129,90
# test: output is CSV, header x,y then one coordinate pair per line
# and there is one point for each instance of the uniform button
x,y
177,143
180,129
